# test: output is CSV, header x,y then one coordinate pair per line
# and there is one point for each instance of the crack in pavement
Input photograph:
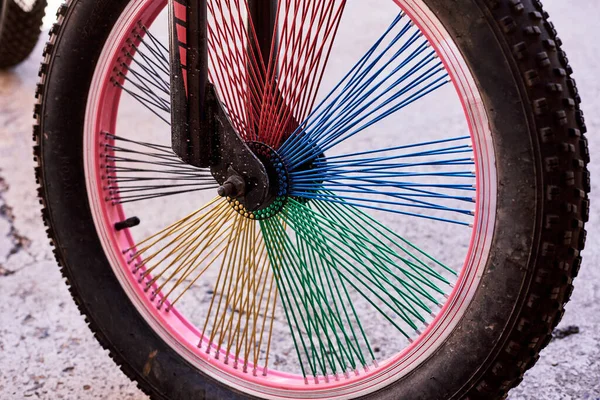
x,y
18,241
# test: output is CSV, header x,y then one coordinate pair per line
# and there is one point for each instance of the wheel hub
x,y
278,184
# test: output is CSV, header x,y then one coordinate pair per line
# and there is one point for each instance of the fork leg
x,y
191,140
201,131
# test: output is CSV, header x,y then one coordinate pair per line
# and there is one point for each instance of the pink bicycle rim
x,y
181,335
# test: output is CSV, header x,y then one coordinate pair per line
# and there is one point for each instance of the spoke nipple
x,y
326,378
316,380
305,380
375,363
356,372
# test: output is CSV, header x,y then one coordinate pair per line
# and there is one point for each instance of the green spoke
x,y
378,254
278,264
347,251
314,301
324,255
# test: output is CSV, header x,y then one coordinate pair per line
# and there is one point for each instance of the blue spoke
x,y
359,200
387,209
386,79
343,174
328,139
418,203
301,190
429,176
407,194
323,107
403,147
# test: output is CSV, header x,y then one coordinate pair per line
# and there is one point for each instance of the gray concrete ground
x,y
46,350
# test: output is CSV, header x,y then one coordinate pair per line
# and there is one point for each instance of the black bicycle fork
x,y
201,132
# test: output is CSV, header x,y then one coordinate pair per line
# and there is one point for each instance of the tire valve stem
x,y
128,223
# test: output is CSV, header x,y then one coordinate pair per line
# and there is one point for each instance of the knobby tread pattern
x,y
19,32
524,27
119,360
555,102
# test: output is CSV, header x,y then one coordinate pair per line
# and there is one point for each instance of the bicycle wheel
x,y
20,25
431,178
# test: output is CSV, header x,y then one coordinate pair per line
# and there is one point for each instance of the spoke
x,y
426,180
263,101
239,322
308,31
399,69
143,73
325,255
237,73
323,258
137,171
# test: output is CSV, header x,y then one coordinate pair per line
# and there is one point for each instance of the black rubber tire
x,y
542,204
19,31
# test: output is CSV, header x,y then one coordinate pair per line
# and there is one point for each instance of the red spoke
x,y
303,75
307,34
267,99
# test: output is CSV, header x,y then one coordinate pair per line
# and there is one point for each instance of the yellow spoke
x,y
190,270
169,229
229,262
239,319
208,236
185,228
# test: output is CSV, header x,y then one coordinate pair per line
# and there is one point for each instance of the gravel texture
x,y
46,350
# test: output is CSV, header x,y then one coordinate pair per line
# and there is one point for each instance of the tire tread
x,y
546,75
555,101
20,32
